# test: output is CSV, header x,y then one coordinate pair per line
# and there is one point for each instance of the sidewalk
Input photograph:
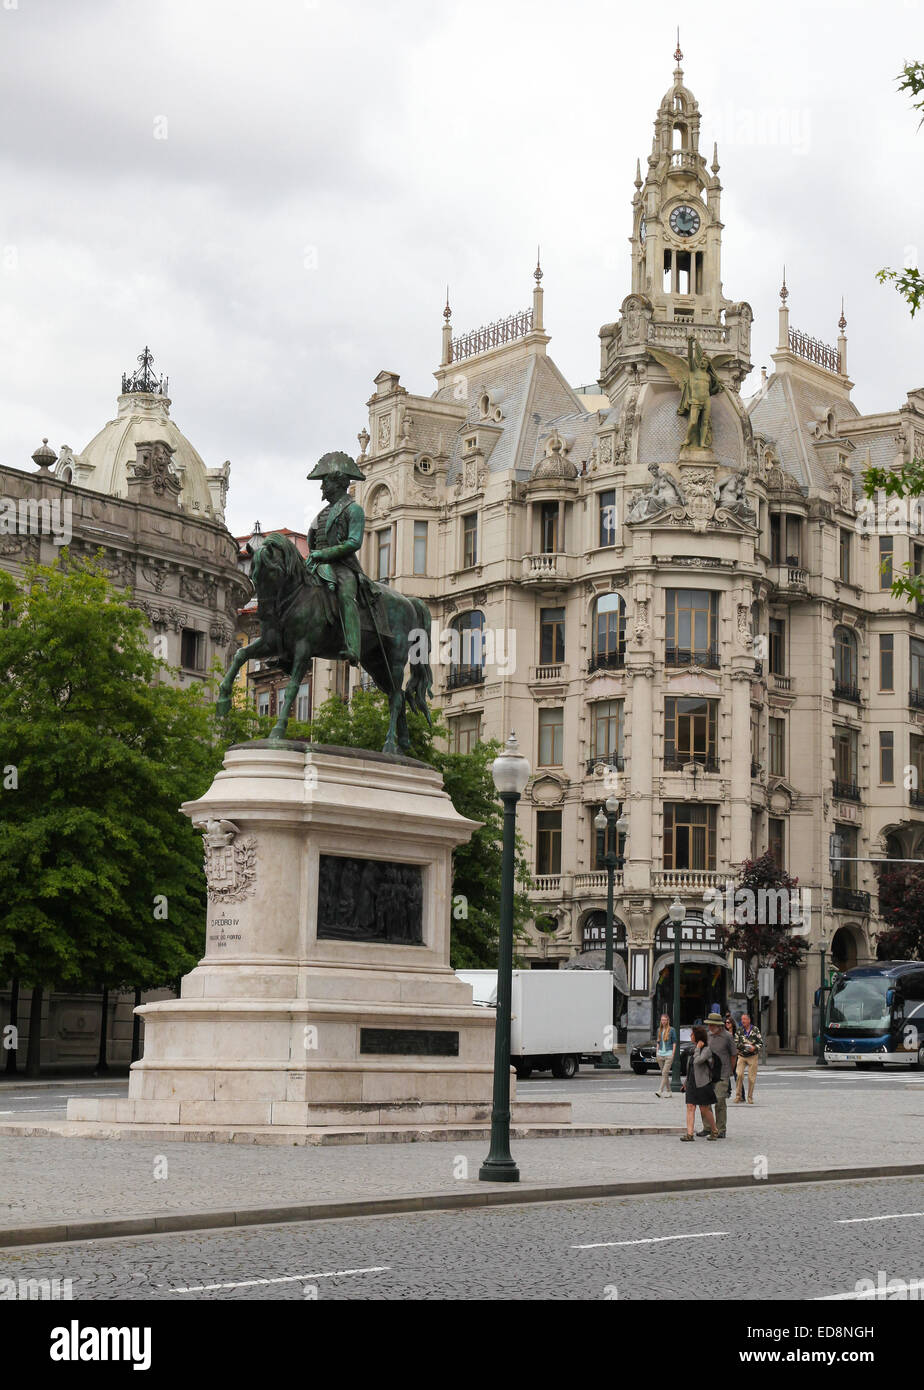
x,y
56,1188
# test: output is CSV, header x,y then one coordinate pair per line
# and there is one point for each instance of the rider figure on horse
x,y
334,539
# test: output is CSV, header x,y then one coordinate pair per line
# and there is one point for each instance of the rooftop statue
x,y
326,606
698,381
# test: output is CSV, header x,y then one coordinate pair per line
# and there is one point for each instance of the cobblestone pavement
x,y
770,1243
802,1120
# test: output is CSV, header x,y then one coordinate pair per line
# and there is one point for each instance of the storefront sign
x,y
694,936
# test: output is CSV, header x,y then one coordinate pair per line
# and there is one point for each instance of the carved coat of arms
x,y
230,862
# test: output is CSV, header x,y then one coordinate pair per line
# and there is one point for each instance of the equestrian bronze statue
x,y
326,606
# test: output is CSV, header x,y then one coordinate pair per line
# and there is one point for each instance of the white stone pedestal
x,y
288,1020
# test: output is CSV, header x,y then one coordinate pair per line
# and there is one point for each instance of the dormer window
x,y
485,406
424,464
471,442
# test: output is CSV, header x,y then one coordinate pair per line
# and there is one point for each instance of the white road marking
x,y
861,1220
649,1240
840,1297
285,1279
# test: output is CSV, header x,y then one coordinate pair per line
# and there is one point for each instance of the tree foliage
x,y
102,880
363,723
901,906
909,282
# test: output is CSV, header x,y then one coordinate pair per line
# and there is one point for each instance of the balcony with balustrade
x,y
846,791
790,583
607,661
595,883
916,699
547,568
686,882
846,690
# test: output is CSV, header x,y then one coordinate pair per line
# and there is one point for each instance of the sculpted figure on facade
x,y
732,496
697,377
659,497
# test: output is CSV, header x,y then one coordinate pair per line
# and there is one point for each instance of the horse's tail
x,y
420,686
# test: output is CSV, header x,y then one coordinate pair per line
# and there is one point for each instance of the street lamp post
x,y
510,771
676,912
821,1060
607,822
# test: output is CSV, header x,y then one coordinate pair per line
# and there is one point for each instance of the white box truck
x,y
556,1016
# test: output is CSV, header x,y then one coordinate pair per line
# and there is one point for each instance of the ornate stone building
x,y
711,624
140,493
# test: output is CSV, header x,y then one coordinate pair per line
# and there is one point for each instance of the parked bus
x,y
875,1015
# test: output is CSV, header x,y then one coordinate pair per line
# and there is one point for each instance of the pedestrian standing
x,y
722,1045
748,1043
699,1087
666,1047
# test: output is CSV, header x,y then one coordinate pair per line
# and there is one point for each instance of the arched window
x,y
846,665
679,137
609,644
843,949
466,653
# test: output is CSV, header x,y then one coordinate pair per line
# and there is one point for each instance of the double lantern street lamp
x,y
510,771
605,822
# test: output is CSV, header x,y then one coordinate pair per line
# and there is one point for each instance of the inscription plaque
x,y
369,900
409,1041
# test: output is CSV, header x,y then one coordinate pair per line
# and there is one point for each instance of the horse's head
x,y
277,566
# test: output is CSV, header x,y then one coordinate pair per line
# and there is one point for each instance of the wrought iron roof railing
x,y
814,350
491,335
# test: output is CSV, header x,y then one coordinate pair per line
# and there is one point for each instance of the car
x,y
644,1058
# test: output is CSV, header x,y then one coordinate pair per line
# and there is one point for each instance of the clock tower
x,y
676,247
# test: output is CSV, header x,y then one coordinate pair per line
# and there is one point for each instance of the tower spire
x,y
678,56
842,342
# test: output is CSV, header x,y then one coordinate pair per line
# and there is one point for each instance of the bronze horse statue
x,y
299,620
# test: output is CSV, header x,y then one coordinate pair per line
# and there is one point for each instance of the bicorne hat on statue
x,y
337,463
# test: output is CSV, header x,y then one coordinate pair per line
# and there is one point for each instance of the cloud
x,y
327,167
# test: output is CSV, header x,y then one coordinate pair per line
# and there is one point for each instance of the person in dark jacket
x,y
722,1044
698,1087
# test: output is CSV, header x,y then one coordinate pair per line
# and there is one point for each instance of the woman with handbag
x,y
666,1046
699,1087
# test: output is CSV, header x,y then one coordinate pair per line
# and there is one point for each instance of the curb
x,y
504,1195
317,1137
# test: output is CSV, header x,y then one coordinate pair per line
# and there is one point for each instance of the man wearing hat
x,y
334,538
720,1041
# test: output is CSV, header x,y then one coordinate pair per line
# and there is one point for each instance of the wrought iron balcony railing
x,y
917,796
844,690
851,899
460,676
690,656
606,760
602,660
846,791
674,762
916,699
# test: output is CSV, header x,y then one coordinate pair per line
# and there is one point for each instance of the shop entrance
x,y
702,985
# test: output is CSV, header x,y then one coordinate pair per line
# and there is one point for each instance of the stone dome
x,y
555,466
104,465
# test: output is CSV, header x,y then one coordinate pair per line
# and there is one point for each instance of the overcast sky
x,y
330,164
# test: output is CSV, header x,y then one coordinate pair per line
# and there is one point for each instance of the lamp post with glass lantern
x,y
606,822
510,771
676,912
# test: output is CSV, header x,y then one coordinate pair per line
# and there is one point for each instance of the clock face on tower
x,y
685,221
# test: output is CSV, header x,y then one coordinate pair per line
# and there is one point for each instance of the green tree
x,y
763,928
901,906
102,881
363,723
